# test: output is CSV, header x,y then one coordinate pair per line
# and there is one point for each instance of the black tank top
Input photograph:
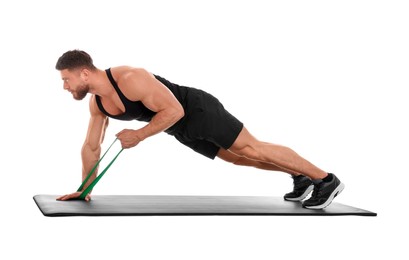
x,y
135,110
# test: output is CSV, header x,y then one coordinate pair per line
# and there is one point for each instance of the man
x,y
194,117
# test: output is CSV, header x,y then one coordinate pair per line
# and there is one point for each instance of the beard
x,y
81,92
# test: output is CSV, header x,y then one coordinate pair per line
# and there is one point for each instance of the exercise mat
x,y
171,205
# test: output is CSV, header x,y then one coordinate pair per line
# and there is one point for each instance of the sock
x,y
328,178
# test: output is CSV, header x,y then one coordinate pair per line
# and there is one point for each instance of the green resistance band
x,y
91,186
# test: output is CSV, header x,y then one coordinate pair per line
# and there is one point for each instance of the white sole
x,y
304,195
336,192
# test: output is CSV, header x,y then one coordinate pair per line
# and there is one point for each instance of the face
x,y
76,83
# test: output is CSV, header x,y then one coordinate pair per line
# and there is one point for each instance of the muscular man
x,y
194,117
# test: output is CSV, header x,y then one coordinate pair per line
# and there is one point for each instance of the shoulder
x,y
124,74
93,107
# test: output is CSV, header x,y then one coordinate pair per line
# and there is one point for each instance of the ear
x,y
84,74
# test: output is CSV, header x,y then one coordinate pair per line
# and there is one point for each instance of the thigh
x,y
212,122
202,147
245,145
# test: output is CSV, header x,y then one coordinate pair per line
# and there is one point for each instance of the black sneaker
x,y
302,187
324,192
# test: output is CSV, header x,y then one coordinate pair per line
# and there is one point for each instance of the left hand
x,y
128,138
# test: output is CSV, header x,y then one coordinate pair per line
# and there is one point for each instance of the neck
x,y
99,84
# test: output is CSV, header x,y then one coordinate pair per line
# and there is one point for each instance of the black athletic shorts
x,y
207,126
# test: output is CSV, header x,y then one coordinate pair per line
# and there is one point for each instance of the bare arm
x,y
141,85
91,149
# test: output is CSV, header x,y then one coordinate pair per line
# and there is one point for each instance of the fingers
x,y
121,132
125,145
74,195
128,138
64,197
120,138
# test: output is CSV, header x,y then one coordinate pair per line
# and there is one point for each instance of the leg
x,y
244,161
249,147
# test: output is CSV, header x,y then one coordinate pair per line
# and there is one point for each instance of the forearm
x,y
159,123
90,156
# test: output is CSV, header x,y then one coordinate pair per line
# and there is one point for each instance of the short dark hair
x,y
75,59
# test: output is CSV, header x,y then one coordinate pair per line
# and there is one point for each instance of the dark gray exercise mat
x,y
148,205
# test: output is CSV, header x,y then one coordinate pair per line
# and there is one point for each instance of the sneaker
x,y
324,192
302,187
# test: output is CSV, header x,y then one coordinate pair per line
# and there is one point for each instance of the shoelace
x,y
298,184
317,190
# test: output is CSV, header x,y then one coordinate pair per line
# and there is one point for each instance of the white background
x,y
325,78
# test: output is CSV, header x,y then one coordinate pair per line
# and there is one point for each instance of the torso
x,y
122,103
126,105
113,105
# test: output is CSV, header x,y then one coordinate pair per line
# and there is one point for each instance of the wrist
x,y
140,134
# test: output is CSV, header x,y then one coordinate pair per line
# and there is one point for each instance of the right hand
x,y
74,195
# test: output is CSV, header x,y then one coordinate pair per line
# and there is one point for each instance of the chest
x,y
124,109
113,105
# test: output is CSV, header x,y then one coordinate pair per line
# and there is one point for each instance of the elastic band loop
x,y
89,188
95,166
